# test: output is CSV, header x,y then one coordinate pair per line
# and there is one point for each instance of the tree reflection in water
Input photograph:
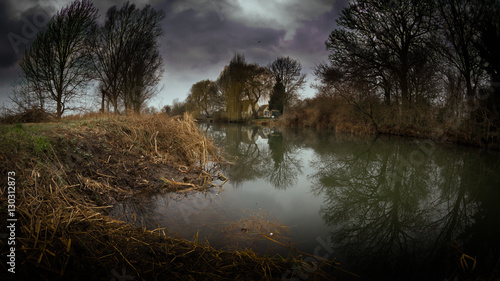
x,y
394,216
286,164
393,206
261,153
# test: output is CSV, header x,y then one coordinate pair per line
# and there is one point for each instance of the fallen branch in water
x,y
178,183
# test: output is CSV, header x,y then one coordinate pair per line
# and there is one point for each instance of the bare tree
x,y
258,85
26,96
144,66
288,71
459,29
490,40
385,40
58,63
127,59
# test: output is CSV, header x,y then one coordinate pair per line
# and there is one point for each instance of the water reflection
x,y
261,153
395,215
286,163
394,209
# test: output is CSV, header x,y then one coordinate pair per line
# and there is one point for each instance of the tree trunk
x,y
59,105
387,92
403,77
102,102
403,84
115,106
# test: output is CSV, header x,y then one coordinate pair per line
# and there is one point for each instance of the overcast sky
x,y
200,37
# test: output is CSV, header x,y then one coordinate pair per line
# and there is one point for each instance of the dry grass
x,y
172,139
33,115
419,121
69,173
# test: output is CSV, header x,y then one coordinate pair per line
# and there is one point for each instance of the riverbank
x,y
439,126
435,195
65,176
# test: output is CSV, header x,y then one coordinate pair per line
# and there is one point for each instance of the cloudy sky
x,y
200,36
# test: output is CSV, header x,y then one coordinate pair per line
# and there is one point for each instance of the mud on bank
x,y
68,174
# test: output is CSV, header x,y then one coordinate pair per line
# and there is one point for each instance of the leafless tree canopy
x,y
288,72
57,65
413,64
127,60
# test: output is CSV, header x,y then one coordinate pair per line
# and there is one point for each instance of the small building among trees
x,y
264,111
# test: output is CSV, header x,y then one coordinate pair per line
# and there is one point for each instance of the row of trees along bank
x,y
120,56
426,68
241,84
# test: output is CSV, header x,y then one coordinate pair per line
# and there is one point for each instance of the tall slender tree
x,y
277,96
459,32
488,42
231,83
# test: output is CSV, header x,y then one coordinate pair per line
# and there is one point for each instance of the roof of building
x,y
263,107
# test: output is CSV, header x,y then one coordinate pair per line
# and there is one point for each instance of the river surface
x,y
385,208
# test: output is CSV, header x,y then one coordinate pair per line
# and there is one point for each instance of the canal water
x,y
384,208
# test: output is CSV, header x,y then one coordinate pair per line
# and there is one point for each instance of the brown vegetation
x,y
338,114
33,115
420,69
68,174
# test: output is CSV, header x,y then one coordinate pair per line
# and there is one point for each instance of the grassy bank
x,y
68,175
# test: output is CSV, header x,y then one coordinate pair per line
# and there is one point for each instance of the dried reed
x,y
63,194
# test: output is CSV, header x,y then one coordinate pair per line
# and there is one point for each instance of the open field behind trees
x,y
68,175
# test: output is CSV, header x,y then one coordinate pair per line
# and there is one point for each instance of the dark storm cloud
x,y
311,36
19,23
7,53
199,39
200,36
18,31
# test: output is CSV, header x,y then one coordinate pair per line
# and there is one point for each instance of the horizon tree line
x,y
241,83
